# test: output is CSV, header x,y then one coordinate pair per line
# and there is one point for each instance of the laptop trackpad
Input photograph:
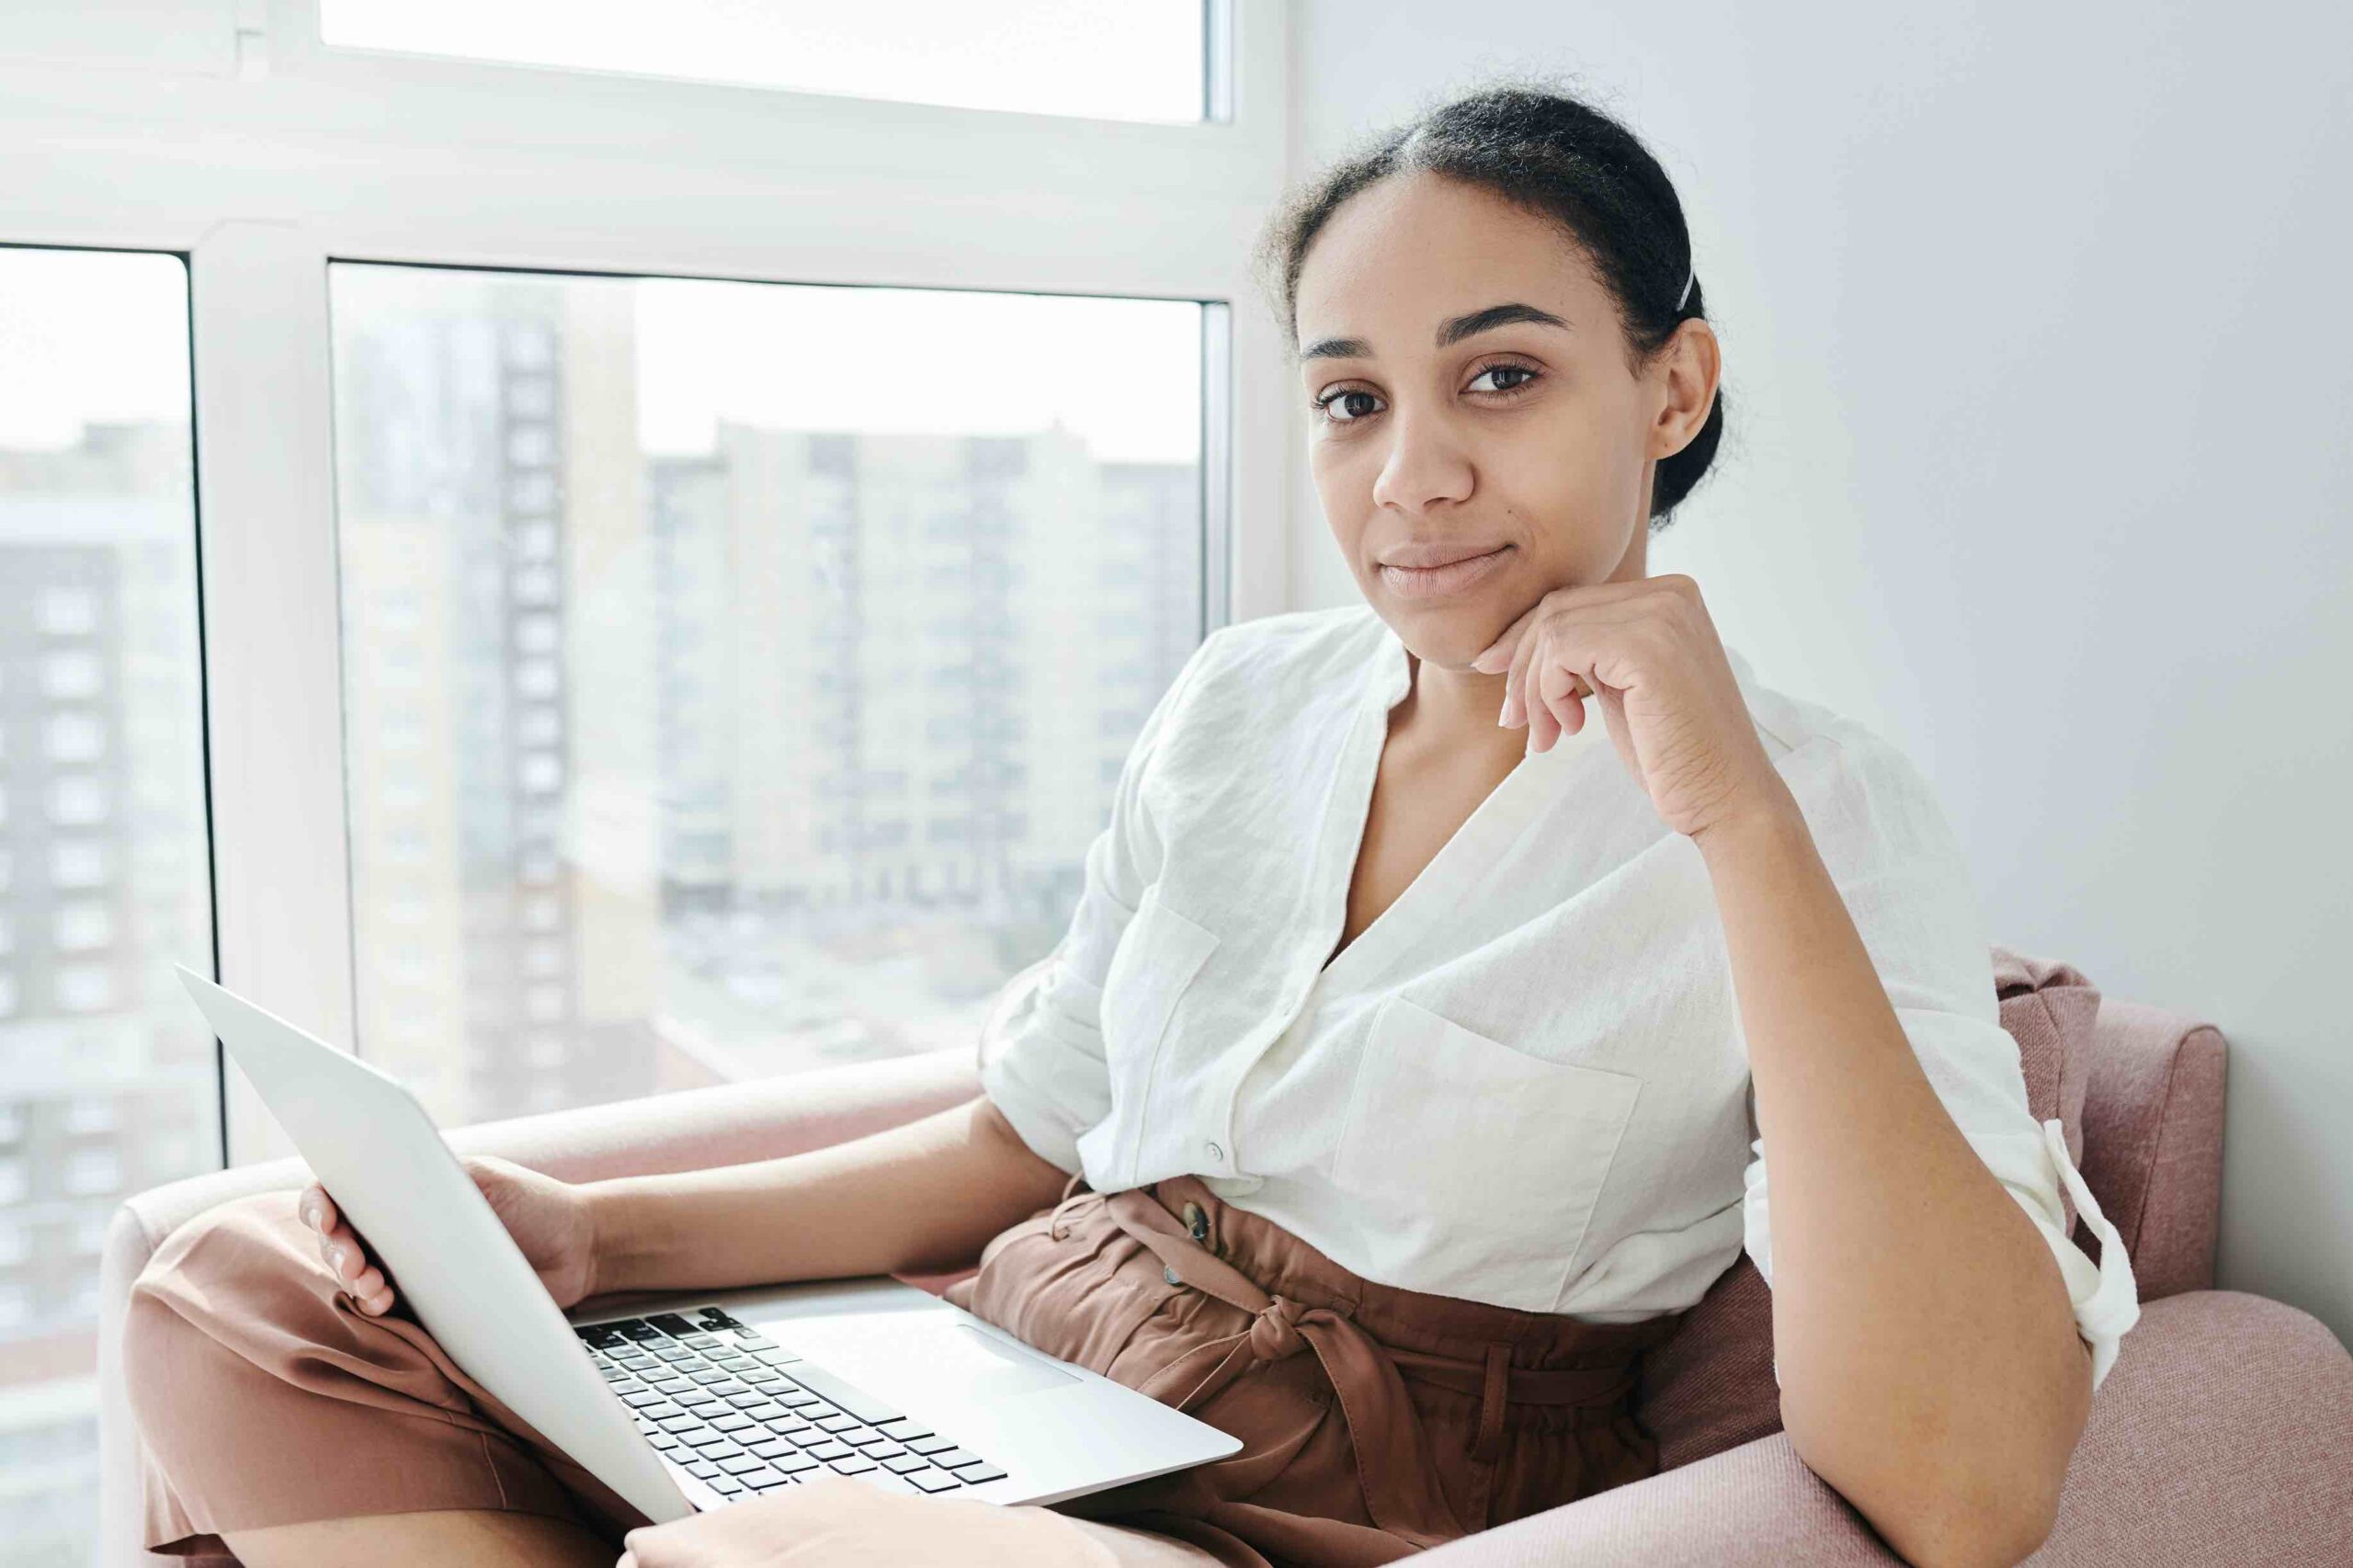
x,y
911,1351
997,1368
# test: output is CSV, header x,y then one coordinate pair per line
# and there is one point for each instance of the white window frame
x,y
223,131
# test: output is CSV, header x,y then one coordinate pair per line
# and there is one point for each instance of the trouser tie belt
x,y
1384,1427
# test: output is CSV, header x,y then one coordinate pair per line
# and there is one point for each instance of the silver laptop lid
x,y
378,1154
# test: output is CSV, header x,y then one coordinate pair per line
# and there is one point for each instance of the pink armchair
x,y
2223,1434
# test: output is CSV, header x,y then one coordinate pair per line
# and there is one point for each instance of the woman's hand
x,y
835,1522
549,1218
1648,653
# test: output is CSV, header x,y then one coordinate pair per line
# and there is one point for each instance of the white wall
x,y
2039,380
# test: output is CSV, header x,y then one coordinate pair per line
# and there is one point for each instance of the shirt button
x,y
1215,1151
1170,1275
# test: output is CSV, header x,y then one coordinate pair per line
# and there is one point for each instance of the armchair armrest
x,y
2223,1434
695,1129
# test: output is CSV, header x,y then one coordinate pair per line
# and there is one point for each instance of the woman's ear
x,y
1688,367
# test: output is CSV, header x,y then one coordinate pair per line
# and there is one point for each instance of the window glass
x,y
771,651
1140,60
107,1080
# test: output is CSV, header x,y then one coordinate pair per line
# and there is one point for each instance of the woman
x,y
1418,1049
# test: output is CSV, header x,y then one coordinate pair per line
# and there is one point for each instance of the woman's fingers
x,y
340,1248
1523,655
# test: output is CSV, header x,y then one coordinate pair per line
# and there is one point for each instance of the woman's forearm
x,y
1930,1365
921,1197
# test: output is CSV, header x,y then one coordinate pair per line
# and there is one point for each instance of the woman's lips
x,y
1437,582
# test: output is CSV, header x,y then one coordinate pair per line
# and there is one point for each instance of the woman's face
x,y
1450,430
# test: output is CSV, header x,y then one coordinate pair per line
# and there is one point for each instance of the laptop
x,y
686,1404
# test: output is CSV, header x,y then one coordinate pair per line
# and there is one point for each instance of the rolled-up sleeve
x,y
1904,880
1041,1051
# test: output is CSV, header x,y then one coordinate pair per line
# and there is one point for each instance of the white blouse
x,y
1526,1082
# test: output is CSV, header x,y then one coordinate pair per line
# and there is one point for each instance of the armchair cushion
x,y
2223,1434
2051,1011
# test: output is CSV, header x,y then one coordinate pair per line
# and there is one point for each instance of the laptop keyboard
x,y
729,1405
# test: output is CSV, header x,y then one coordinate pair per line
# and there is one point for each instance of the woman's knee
x,y
223,1277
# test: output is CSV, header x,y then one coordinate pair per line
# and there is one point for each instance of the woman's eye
x,y
1506,370
1324,404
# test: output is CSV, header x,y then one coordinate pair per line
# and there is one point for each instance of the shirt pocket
x,y
1476,1163
1159,956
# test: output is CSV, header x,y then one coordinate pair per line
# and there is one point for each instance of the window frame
x,y
229,135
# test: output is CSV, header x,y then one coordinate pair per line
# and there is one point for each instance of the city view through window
x,y
107,1080
735,673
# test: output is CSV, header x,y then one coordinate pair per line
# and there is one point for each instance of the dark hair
x,y
1560,158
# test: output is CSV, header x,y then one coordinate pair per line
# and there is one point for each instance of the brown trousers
x,y
1375,1421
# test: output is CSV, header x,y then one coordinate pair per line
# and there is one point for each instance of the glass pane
x,y
108,1077
1140,60
736,673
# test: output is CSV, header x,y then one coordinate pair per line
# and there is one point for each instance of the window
x,y
728,721
652,862
109,1082
1136,59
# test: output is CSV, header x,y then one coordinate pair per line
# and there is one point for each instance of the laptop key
x,y
952,1459
733,1421
702,1437
853,1465
837,1421
934,1481
796,1464
704,1468
864,1437
858,1403
929,1444
974,1474
638,1329
769,1447
904,1462
829,1450
771,1481
902,1428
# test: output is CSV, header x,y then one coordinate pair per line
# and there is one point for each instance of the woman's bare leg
x,y
479,1538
